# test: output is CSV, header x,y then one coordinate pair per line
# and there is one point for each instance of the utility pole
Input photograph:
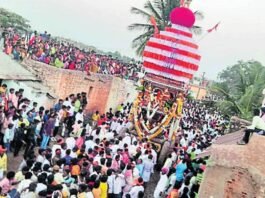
x,y
202,80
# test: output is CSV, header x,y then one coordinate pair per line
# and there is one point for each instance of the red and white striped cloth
x,y
172,54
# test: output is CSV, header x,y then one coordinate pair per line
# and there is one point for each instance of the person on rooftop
x,y
258,126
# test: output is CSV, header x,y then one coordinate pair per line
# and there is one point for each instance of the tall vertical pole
x,y
202,80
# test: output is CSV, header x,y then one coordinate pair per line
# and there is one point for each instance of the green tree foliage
x,y
160,10
241,87
10,19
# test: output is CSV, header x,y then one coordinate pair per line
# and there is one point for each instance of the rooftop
x,y
12,70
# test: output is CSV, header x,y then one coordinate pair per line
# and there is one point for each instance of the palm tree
x,y
160,10
241,87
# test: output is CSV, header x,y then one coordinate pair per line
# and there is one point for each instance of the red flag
x,y
213,28
153,22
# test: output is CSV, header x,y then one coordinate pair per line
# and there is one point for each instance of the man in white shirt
x,y
115,147
89,194
154,154
109,135
15,122
198,150
90,143
127,139
128,125
60,145
191,135
66,102
98,157
114,124
168,162
119,126
132,149
174,154
184,141
257,125
41,156
70,142
70,110
88,129
73,153
111,184
79,116
103,130
136,173
46,160
118,181
96,134
58,176
25,183
41,184
135,190
162,183
24,105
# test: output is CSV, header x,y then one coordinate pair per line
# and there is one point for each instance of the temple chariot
x,y
170,59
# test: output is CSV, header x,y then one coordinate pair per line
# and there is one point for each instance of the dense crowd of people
x,y
83,160
65,155
61,152
182,172
42,47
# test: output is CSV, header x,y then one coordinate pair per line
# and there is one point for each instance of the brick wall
x,y
121,91
240,170
103,91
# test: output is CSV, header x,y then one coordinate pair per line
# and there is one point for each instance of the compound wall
x,y
103,91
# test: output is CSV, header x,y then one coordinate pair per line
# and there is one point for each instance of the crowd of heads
x,y
42,47
182,172
69,154
66,154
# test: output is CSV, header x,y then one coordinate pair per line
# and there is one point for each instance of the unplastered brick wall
x,y
122,91
103,91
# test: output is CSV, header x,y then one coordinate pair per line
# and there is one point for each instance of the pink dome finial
x,y
182,16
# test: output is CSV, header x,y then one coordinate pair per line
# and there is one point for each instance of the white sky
x,y
103,24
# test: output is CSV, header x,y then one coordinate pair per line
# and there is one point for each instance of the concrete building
x,y
199,87
198,92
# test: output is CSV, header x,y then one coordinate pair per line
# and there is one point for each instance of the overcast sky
x,y
103,24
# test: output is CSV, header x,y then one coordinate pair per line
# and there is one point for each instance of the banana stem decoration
x,y
154,110
173,128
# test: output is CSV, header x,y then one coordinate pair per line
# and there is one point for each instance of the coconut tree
x,y
10,19
160,10
241,87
